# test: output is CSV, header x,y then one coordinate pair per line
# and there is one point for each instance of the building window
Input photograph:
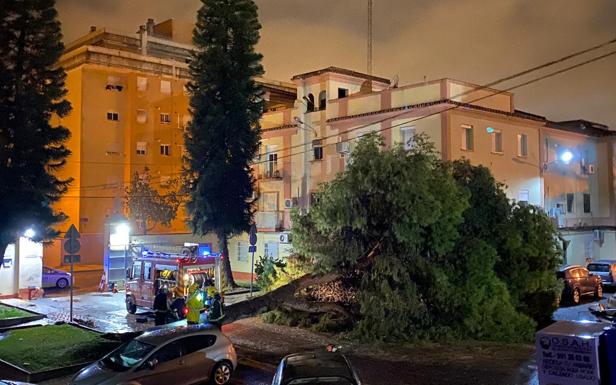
x,y
467,138
522,145
586,203
114,83
272,165
142,148
165,87
142,116
165,118
142,84
310,103
242,251
523,196
497,142
343,93
317,150
164,149
570,203
322,100
408,137
113,116
271,250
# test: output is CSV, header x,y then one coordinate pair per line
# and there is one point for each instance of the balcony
x,y
270,173
269,220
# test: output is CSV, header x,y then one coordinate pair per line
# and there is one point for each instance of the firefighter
x,y
161,307
194,304
215,310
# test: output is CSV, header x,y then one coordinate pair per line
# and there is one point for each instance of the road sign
x,y
72,233
253,235
72,246
252,249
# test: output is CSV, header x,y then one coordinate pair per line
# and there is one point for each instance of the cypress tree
x,y
31,93
226,105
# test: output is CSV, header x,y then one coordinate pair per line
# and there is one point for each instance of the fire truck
x,y
152,271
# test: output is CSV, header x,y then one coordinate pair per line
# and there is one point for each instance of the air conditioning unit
x,y
290,203
597,235
285,238
590,169
343,147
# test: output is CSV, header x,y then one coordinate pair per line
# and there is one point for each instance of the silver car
x,y
604,268
166,355
56,278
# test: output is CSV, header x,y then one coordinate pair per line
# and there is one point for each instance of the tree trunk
x,y
223,243
282,296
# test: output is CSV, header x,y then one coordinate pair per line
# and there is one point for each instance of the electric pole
x,y
369,37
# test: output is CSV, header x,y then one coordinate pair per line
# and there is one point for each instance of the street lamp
x,y
566,156
29,233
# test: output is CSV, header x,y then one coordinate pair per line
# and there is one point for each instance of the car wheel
x,y
62,283
599,291
131,306
221,375
575,297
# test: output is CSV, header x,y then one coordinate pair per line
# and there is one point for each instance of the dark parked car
x,y
578,282
315,368
604,268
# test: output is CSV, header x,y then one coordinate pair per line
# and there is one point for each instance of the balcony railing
x,y
270,174
273,220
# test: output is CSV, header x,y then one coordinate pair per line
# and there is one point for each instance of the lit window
x,y
142,148
165,87
497,141
142,116
113,116
587,203
408,137
142,84
467,138
164,149
522,145
242,251
165,118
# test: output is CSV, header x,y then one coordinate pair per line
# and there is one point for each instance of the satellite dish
x,y
393,83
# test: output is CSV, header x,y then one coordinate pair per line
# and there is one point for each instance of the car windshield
x,y
128,355
321,380
599,267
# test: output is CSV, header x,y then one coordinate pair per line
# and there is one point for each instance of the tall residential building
x,y
130,110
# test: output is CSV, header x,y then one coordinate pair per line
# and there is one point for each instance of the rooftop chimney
x,y
149,26
92,28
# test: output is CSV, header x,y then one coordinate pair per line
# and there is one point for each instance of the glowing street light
x,y
566,156
29,233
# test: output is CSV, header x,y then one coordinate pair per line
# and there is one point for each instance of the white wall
x,y
7,274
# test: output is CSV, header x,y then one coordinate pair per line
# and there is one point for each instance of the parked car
x,y
315,368
604,268
8,382
578,282
56,278
166,355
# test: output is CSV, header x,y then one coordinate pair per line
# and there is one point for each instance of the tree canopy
x,y
31,93
226,104
423,239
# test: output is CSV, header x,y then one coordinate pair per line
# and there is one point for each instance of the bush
x,y
267,270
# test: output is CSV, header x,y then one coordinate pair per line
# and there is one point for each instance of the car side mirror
x,y
151,364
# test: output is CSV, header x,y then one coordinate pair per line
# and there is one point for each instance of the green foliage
x,y
31,94
147,206
226,104
426,237
268,271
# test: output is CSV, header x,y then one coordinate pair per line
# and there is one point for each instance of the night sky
x,y
473,40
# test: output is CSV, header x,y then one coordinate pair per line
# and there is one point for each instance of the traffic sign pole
x,y
252,249
72,247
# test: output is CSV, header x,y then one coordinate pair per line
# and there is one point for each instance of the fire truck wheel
x,y
131,306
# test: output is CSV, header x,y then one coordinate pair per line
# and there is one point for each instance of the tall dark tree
x,y
226,104
31,93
